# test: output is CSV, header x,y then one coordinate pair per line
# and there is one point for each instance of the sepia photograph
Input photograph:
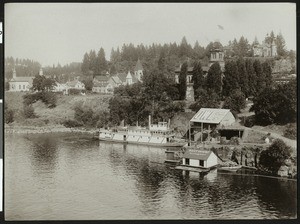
x,y
150,111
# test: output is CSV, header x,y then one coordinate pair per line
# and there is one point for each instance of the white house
x,y
18,84
199,158
106,88
60,87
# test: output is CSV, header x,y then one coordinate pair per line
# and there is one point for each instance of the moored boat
x,y
229,168
154,135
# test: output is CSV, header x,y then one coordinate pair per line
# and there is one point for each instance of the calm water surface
x,y
61,177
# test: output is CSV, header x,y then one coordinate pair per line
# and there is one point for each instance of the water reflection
x,y
72,177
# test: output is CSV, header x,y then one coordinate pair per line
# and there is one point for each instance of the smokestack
x,y
149,121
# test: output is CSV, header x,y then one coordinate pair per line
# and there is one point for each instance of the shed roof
x,y
210,115
197,154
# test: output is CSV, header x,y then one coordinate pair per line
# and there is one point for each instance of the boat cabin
x,y
199,158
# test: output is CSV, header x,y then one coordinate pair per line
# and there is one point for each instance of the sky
x,y
52,33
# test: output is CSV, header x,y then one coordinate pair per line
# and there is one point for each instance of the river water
x,y
65,177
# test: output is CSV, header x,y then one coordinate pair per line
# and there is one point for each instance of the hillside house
x,y
199,158
264,49
75,84
105,88
20,84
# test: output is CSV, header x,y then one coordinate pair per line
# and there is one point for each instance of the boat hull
x,y
168,144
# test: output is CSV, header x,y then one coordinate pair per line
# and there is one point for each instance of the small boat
x,y
229,168
154,135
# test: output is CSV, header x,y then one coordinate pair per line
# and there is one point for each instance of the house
x,y
264,49
216,55
115,81
199,158
101,79
106,88
60,87
208,120
18,84
75,84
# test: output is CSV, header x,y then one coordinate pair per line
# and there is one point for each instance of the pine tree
x,y
101,63
214,78
198,78
182,80
85,64
280,44
231,78
243,76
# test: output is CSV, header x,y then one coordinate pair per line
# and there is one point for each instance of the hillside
x,y
63,110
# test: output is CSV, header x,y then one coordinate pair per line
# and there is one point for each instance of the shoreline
x,y
45,130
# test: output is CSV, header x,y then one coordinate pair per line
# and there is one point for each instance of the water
x,y
65,177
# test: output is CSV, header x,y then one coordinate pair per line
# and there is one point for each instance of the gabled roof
x,y
22,79
210,115
197,154
99,84
122,76
73,83
102,78
138,66
129,76
116,79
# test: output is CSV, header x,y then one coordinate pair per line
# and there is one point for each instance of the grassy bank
x,y
53,117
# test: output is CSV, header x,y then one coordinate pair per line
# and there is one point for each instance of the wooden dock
x,y
193,169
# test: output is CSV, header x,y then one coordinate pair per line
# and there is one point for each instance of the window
x,y
201,162
19,86
187,161
23,86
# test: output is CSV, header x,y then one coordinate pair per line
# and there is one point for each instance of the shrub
x,y
249,121
71,123
291,131
49,99
9,116
74,91
273,158
28,112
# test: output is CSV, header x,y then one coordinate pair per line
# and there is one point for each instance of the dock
x,y
193,169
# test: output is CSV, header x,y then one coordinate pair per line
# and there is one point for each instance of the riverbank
x,y
48,129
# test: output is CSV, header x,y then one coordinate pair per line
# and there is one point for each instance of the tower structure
x,y
138,70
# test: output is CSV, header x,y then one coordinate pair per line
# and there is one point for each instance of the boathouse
x,y
199,158
207,120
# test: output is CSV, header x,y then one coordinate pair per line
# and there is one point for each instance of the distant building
x,y
20,84
138,70
264,49
60,87
217,55
105,88
75,84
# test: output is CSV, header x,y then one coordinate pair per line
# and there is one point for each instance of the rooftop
x,y
197,154
210,115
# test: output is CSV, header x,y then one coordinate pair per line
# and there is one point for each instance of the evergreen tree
x,y
231,78
101,63
198,78
93,62
214,78
267,73
243,76
182,80
259,77
280,44
251,77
